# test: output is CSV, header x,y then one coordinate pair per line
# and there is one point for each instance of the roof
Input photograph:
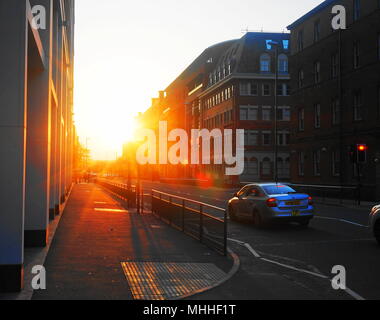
x,y
317,9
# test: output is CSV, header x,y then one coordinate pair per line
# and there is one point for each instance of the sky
x,y
126,51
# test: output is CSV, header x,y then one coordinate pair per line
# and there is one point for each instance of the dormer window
x,y
265,63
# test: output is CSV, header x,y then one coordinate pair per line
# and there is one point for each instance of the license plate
x,y
292,203
295,213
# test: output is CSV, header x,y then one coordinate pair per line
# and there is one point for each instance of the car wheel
x,y
232,214
257,219
377,231
304,223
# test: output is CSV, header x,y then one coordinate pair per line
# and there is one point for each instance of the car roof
x,y
264,184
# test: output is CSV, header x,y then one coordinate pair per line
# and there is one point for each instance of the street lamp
x,y
275,45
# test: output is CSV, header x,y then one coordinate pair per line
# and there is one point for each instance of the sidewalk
x,y
102,251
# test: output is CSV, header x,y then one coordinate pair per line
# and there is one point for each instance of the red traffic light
x,y
362,147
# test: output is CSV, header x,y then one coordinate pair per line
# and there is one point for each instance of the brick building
x,y
336,95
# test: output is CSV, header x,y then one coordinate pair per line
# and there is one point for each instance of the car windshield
x,y
278,189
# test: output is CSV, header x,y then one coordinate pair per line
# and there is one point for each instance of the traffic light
x,y
361,153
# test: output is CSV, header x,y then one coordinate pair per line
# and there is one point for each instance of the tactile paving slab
x,y
164,281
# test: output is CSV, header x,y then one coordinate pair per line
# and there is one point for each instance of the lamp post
x,y
275,45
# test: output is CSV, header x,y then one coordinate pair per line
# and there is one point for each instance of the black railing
x,y
202,221
121,190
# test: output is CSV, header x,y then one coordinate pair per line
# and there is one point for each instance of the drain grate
x,y
163,281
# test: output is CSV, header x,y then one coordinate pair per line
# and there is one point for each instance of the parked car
x,y
265,203
375,222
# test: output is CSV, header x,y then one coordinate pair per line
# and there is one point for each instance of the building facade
x,y
336,96
37,135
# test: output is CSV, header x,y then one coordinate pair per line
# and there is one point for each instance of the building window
x,y
254,89
301,164
248,113
285,44
283,114
317,116
266,90
266,138
265,63
283,64
251,138
358,108
335,110
357,9
244,88
317,162
266,113
334,65
283,138
283,89
317,31
336,163
300,40
301,77
317,72
253,167
356,51
301,119
266,167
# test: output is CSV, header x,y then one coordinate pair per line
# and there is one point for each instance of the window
x,y
248,113
266,113
336,163
283,138
335,110
317,116
358,108
317,72
265,63
283,113
317,162
300,40
251,138
266,90
334,65
266,167
283,89
266,138
283,64
301,78
357,9
317,31
254,89
244,88
301,163
253,167
285,44
301,119
356,52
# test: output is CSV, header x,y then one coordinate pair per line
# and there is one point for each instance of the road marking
x,y
350,292
100,202
110,210
295,269
341,220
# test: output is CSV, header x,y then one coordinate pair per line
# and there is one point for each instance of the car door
x,y
248,201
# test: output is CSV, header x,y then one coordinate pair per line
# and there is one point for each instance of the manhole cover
x,y
163,281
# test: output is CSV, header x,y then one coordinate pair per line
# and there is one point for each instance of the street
x,y
291,262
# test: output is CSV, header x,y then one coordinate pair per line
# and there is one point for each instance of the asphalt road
x,y
290,262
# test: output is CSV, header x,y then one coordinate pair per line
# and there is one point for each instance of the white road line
x,y
341,220
248,246
296,269
354,294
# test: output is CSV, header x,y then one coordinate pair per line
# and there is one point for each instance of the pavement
x,y
103,251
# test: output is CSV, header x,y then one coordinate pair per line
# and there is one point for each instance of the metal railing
x,y
202,221
121,190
